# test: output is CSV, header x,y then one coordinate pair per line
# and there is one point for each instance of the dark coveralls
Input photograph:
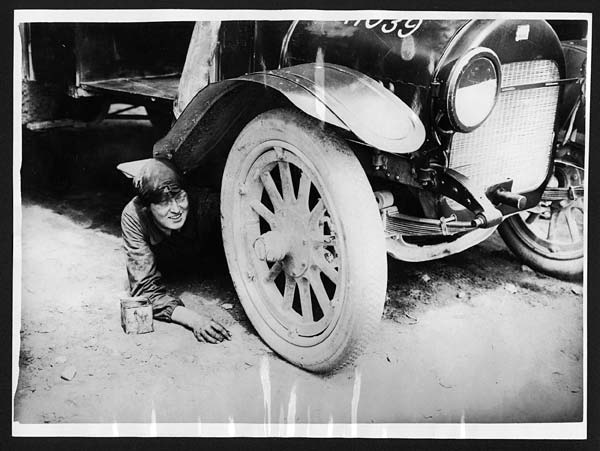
x,y
149,249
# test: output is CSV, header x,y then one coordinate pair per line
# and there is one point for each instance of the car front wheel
x,y
303,239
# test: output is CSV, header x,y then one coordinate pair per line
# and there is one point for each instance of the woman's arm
x,y
144,276
145,280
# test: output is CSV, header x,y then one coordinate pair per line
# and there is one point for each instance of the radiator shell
x,y
516,139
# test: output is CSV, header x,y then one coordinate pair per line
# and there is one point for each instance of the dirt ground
x,y
473,338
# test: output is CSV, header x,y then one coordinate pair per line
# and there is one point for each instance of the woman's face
x,y
171,212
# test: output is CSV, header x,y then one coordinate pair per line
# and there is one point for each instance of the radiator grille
x,y
516,140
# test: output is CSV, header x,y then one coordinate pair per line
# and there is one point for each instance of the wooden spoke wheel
x,y
303,239
549,237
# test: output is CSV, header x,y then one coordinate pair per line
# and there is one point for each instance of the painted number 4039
x,y
402,27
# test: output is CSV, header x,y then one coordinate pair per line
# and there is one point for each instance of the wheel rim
x,y
289,243
555,228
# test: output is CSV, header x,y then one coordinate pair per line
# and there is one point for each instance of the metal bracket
x,y
435,88
444,223
78,92
379,161
458,187
572,193
395,167
427,176
501,193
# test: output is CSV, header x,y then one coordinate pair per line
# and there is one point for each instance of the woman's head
x,y
160,189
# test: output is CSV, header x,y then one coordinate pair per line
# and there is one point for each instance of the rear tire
x,y
48,102
41,102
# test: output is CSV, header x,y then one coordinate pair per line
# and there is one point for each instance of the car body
x,y
414,68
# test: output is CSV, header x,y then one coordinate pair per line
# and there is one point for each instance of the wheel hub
x,y
287,243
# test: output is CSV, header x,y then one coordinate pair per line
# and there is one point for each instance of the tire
x,y
315,302
41,102
557,253
47,102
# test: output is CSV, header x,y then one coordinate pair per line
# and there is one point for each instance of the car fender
x,y
333,94
350,100
204,124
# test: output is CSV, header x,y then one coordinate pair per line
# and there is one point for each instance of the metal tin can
x,y
136,315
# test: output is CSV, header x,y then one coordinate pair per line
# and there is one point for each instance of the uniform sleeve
x,y
144,276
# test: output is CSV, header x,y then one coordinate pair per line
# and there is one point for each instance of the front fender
x,y
212,118
348,99
334,94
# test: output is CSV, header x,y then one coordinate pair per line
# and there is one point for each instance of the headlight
x,y
472,89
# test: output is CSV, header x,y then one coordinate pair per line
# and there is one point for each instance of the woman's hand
x,y
204,327
209,330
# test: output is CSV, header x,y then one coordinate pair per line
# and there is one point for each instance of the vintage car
x,y
337,143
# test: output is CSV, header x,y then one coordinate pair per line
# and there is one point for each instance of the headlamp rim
x,y
454,78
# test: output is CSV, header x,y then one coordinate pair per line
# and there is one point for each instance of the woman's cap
x,y
155,179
